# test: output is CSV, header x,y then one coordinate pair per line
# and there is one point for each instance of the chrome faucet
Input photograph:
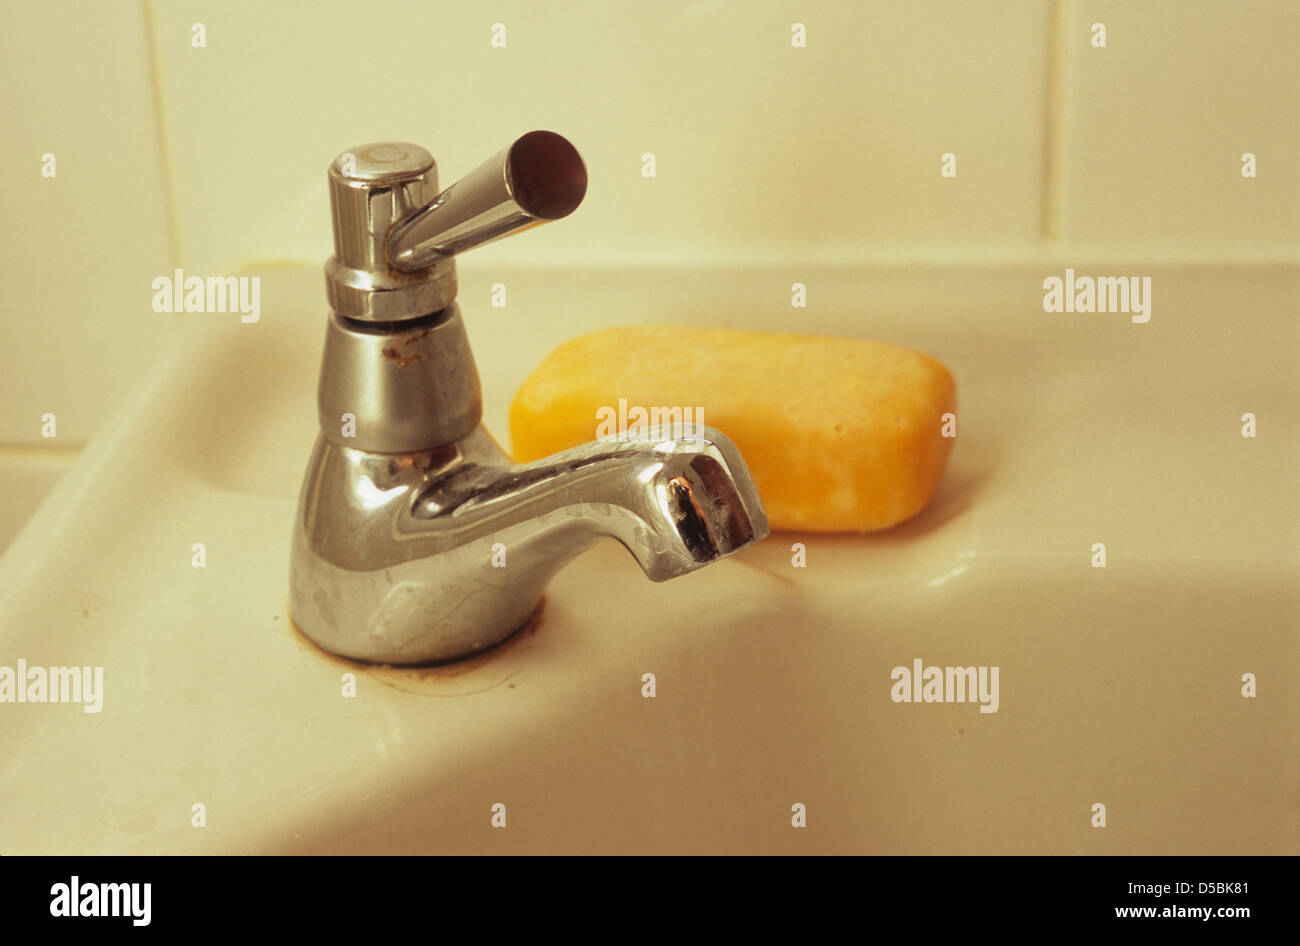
x,y
416,539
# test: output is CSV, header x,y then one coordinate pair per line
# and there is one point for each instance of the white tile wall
x,y
766,154
763,151
1157,121
80,249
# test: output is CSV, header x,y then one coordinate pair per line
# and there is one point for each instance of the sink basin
x,y
1119,685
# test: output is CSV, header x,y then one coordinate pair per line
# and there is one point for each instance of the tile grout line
x,y
1053,102
160,123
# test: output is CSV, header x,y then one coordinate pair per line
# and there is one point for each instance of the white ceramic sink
x,y
1119,686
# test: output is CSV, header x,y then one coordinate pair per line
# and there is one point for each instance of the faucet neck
x,y
398,387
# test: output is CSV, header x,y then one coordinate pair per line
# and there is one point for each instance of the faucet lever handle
x,y
395,234
539,178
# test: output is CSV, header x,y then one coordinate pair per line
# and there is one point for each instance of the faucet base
x,y
428,557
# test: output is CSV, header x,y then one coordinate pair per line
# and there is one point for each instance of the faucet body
x,y
416,539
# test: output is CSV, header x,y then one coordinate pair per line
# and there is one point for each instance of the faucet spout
x,y
675,503
432,556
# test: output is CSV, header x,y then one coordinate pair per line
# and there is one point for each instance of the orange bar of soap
x,y
840,434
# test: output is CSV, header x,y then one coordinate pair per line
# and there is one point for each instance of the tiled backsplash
x,y
174,153
1156,124
79,247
